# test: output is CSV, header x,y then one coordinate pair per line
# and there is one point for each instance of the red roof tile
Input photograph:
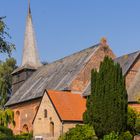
x,y
69,106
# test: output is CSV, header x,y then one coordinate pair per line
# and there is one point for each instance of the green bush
x,y
111,136
5,131
7,134
126,136
24,136
80,132
131,120
7,138
137,126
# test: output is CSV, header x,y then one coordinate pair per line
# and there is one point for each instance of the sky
x,y
63,27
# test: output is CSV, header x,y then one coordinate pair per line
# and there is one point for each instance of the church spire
x,y
30,55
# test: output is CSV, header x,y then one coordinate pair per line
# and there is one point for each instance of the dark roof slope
x,y
57,75
126,61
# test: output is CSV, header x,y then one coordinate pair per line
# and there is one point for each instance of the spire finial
x,y
29,9
103,41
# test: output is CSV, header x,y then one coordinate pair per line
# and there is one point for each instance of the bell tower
x,y
30,59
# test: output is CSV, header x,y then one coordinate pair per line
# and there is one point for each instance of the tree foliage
x,y
5,45
6,68
6,117
107,104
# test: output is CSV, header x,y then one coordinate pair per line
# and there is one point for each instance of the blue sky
x,y
63,27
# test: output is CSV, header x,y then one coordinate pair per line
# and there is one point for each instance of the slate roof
x,y
126,61
57,75
69,106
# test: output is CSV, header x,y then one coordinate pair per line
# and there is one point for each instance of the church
x,y
49,99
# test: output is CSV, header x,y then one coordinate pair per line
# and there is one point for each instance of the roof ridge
x,y
96,45
127,54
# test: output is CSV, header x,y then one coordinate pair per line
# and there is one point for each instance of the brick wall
x,y
132,72
24,114
137,137
129,79
82,79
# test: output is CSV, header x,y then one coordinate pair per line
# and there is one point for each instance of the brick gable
x,y
80,82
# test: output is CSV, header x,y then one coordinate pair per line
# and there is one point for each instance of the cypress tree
x,y
107,104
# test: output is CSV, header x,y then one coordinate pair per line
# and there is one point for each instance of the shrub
x,y
7,138
111,136
5,131
131,120
137,126
24,136
80,132
126,136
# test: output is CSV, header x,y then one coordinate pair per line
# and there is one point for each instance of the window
x,y
52,129
17,113
25,128
45,113
17,119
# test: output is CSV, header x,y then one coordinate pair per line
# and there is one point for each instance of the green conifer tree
x,y
107,104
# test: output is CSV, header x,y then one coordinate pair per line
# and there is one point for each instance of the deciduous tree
x,y
5,45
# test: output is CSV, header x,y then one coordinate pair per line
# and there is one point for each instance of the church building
x,y
50,99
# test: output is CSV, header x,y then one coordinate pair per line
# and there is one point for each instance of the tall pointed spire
x,y
30,55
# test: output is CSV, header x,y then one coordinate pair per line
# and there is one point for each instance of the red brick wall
x,y
24,114
82,79
132,72
129,79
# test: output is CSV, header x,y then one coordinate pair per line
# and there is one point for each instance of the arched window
x,y
45,113
52,129
17,113
25,128
17,119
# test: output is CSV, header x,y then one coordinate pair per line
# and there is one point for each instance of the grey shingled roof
x,y
57,75
126,61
